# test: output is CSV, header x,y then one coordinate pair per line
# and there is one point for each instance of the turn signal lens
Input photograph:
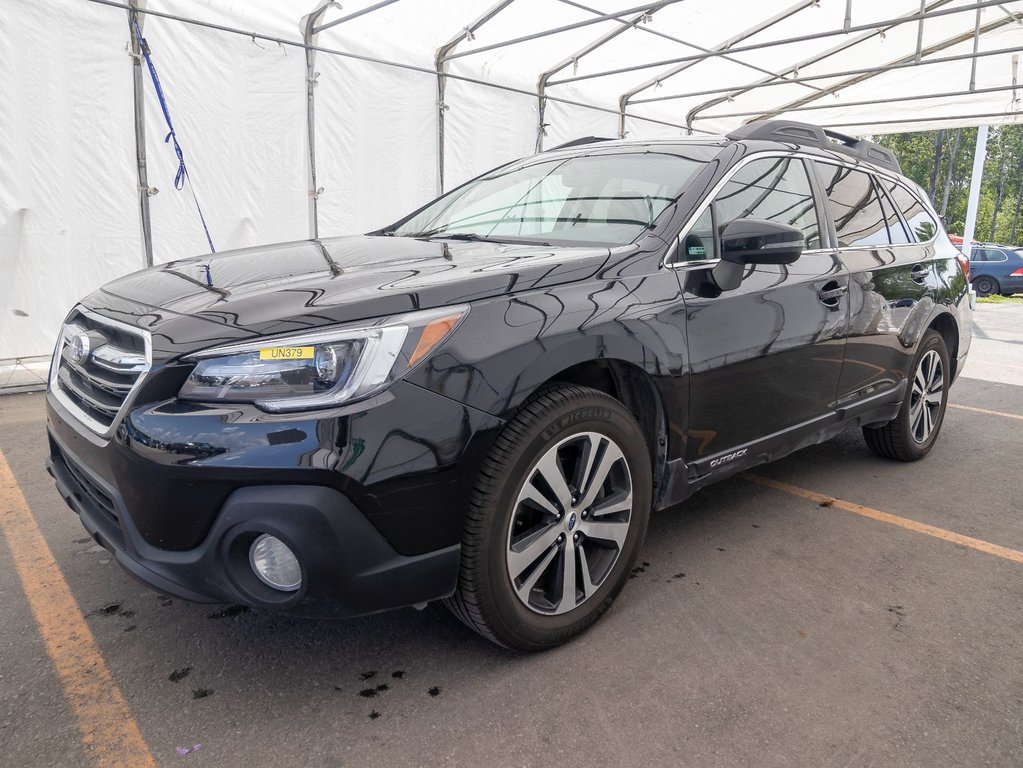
x,y
433,334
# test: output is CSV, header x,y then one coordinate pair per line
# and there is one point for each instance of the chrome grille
x,y
97,366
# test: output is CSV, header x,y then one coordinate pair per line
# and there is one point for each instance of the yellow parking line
x,y
986,411
109,732
885,517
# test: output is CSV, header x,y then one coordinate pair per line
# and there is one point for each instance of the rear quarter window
x,y
922,225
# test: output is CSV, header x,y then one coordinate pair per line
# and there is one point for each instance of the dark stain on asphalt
x,y
755,525
382,687
164,601
374,715
636,571
179,674
367,675
721,549
201,693
435,691
229,612
130,628
368,693
679,576
113,609
398,674
825,503
900,614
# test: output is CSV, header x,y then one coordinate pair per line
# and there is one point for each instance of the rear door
x,y
765,358
885,238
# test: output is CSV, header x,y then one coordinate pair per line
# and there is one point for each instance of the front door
x,y
764,358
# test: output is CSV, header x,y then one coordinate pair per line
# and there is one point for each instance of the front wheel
x,y
556,520
911,434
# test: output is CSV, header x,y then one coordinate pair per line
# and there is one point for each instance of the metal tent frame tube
x,y
650,31
909,59
308,35
139,111
887,23
541,84
868,102
794,69
963,120
567,27
979,155
350,16
441,66
626,98
736,89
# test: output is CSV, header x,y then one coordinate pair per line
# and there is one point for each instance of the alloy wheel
x,y
927,396
570,523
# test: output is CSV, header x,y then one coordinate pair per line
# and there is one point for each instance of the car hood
x,y
307,284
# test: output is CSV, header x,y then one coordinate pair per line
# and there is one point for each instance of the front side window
x,y
601,199
776,189
855,207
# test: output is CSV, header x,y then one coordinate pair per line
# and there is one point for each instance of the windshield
x,y
608,199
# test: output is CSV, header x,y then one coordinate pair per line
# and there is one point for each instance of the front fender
x,y
507,348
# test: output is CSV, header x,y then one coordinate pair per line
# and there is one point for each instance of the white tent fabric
x,y
235,78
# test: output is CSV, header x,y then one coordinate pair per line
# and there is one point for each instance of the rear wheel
x,y
911,434
985,286
556,520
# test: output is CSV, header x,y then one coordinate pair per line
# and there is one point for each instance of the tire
x,y
911,434
521,542
985,286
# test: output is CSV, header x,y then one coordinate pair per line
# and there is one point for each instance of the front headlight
x,y
319,369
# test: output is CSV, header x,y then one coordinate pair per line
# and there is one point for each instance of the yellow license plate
x,y
287,353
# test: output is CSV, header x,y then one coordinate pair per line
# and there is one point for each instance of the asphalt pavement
x,y
842,610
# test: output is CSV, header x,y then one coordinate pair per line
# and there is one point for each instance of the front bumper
x,y
375,525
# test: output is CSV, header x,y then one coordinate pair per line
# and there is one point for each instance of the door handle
x,y
831,293
919,273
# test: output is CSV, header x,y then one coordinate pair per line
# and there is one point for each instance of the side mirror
x,y
754,241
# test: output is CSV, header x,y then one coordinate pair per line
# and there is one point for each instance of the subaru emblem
x,y
79,347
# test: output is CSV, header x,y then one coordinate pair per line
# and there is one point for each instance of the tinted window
x,y
992,254
855,207
895,229
921,224
775,189
699,242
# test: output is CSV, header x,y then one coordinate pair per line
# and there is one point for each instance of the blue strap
x,y
182,175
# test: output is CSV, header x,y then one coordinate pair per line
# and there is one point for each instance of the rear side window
x,y
776,189
922,225
859,218
992,254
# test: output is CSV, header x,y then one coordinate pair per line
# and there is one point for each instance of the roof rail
x,y
804,133
580,142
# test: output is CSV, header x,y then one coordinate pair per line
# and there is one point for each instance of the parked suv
x,y
482,403
996,269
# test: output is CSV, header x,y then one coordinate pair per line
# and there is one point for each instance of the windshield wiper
x,y
467,236
473,237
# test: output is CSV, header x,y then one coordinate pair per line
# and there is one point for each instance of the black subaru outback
x,y
482,403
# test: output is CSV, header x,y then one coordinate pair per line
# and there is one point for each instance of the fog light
x,y
275,564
